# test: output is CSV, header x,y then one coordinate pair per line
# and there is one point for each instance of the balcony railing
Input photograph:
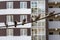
x,y
53,0
54,37
18,26
54,24
57,10
15,37
15,11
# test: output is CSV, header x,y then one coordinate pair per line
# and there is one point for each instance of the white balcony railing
x,y
54,37
53,0
54,24
28,25
15,11
57,10
16,0
15,37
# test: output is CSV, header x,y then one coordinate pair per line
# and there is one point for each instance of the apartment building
x,y
39,27
46,29
54,21
13,10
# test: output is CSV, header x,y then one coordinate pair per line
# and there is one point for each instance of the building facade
x,y
53,22
17,10
11,11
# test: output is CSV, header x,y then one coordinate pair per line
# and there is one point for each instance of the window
x,y
59,33
50,19
34,31
43,31
9,32
23,17
23,4
34,4
50,33
43,37
35,37
50,6
23,31
39,23
9,18
43,23
34,10
9,5
59,6
41,6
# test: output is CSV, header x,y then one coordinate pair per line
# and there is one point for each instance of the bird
x,y
52,13
15,23
6,24
37,18
24,21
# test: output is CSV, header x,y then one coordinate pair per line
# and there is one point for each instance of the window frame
x,y
9,18
24,32
24,5
9,32
9,5
23,17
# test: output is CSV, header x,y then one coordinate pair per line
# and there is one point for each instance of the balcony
x,y
15,37
15,11
54,24
57,10
14,0
18,26
54,37
53,1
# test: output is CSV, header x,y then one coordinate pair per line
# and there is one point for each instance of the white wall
x,y
15,11
54,24
15,37
54,37
28,25
20,0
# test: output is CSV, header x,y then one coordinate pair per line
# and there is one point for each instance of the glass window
x,y
9,32
23,17
34,24
43,37
34,31
23,4
50,6
59,33
41,6
23,31
50,19
9,5
9,18
34,4
34,10
59,6
50,33
43,23
39,23
39,31
42,31
37,37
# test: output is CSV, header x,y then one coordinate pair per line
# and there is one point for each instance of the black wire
x,y
34,21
